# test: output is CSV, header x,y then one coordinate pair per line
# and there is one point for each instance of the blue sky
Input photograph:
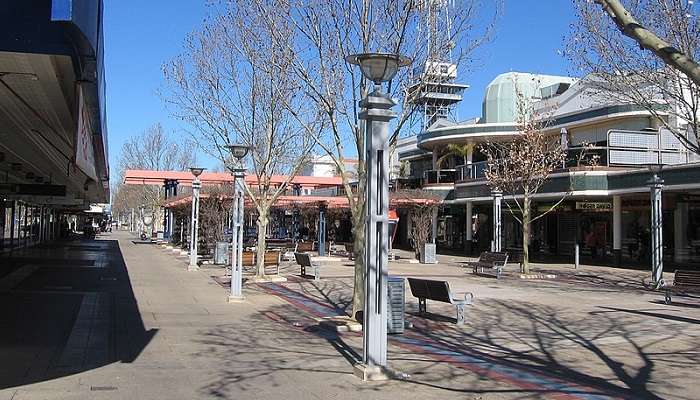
x,y
141,35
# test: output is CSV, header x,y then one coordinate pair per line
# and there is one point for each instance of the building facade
x,y
53,136
604,208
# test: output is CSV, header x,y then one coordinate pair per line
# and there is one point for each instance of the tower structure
x,y
434,88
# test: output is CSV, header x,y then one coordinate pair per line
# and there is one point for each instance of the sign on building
x,y
84,152
584,205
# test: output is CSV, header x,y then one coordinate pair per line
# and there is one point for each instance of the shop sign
x,y
584,205
84,154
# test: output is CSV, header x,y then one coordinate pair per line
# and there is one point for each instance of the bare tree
x,y
521,166
422,206
235,84
664,81
213,210
326,32
152,149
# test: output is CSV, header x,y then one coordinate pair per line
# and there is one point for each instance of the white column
x,y
469,235
617,228
680,222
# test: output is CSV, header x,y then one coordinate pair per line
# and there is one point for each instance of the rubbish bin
x,y
396,293
221,253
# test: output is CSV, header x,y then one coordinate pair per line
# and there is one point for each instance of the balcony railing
x,y
471,171
600,156
439,176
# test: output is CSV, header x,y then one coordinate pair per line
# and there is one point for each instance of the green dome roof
x,y
499,104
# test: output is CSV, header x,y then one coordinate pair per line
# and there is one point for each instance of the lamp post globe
x,y
378,67
238,151
196,171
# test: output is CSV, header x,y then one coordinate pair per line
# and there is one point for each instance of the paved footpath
x,y
117,319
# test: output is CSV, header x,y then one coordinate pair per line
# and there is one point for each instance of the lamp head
x,y
378,67
238,151
196,171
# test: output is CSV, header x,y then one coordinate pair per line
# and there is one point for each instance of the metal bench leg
x,y
422,306
667,297
317,273
460,314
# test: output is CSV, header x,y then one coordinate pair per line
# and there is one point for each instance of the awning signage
x,y
584,205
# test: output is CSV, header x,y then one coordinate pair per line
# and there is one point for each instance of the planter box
x,y
427,256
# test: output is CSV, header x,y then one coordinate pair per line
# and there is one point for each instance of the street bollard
x,y
576,260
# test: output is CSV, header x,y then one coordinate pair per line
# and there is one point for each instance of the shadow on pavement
x,y
74,311
524,349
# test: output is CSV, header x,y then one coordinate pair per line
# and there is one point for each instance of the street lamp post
x,y
377,114
196,186
322,230
238,152
295,225
497,222
142,224
657,263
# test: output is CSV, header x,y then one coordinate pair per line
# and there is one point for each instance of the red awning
x,y
148,177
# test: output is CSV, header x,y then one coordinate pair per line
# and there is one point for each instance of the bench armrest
x,y
468,297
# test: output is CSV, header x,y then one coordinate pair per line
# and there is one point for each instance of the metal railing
x,y
471,171
439,176
598,156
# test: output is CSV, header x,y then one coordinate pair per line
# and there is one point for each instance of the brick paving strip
x,y
474,361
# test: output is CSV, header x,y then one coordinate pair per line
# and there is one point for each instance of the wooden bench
x,y
489,260
248,259
425,289
350,249
684,282
272,258
305,247
304,261
515,256
278,243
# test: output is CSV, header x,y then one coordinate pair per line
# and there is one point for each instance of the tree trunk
x,y
262,229
358,231
526,235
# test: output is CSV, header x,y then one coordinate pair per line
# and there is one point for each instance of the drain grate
x,y
102,388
